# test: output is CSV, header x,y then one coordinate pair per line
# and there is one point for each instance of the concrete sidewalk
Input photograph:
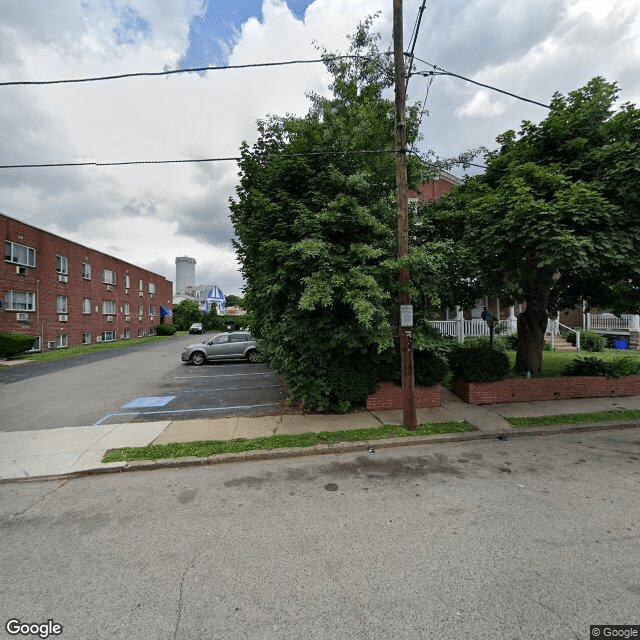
x,y
74,451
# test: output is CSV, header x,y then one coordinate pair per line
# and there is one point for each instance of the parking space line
x,y
224,375
174,411
261,386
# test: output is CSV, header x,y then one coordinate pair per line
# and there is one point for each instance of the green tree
x,y
234,301
316,227
185,313
555,219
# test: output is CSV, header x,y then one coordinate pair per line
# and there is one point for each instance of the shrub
x,y
627,365
12,344
511,341
165,329
478,363
591,367
589,341
430,367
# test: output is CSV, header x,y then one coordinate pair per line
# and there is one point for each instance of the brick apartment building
x,y
67,294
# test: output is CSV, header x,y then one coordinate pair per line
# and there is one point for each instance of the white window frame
x,y
109,307
62,265
63,341
62,304
152,310
86,306
86,271
37,345
87,338
127,281
14,302
127,309
108,276
12,251
113,334
152,288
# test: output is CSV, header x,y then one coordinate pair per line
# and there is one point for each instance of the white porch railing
x,y
462,329
609,322
553,328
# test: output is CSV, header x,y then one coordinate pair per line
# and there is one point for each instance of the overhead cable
x,y
144,74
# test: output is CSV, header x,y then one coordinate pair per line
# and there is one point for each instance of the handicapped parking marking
x,y
150,401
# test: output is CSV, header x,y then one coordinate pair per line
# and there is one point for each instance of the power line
x,y
438,71
414,39
142,74
192,160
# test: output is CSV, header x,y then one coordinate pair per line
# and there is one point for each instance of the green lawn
x,y
553,362
70,352
204,449
576,418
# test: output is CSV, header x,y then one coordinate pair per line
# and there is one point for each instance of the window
x,y
19,254
62,304
37,345
86,338
127,334
63,341
152,311
141,310
86,271
86,305
152,288
62,265
109,307
20,301
239,337
127,283
109,336
127,311
108,277
140,286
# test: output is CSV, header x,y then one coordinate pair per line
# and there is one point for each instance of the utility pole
x,y
409,419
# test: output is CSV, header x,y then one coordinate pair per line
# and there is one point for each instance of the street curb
x,y
337,448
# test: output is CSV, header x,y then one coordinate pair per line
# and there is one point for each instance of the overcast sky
x,y
148,215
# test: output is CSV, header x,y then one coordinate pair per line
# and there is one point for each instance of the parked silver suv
x,y
234,345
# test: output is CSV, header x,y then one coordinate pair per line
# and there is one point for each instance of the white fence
x,y
470,328
609,322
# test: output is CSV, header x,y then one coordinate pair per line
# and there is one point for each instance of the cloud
x,y
148,214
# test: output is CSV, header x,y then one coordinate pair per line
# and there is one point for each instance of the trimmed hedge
x,y
589,341
478,363
12,344
165,329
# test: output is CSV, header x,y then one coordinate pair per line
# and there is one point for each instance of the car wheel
x,y
197,358
252,356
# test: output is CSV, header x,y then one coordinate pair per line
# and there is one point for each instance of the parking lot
x,y
135,384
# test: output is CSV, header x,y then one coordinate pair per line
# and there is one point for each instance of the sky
x,y
150,214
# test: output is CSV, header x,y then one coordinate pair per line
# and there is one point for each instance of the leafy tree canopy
x,y
556,217
185,313
317,231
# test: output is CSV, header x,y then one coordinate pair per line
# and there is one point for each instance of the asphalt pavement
x,y
76,451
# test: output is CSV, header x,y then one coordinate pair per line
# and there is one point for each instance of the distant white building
x,y
206,295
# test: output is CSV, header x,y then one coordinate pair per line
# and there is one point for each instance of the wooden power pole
x,y
409,419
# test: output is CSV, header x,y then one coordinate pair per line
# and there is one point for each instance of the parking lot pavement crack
x,y
58,486
558,617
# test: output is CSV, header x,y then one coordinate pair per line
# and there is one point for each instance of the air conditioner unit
x,y
98,338
127,318
127,290
152,295
110,318
63,317
22,317
21,271
109,287
140,293
140,318
52,344
63,278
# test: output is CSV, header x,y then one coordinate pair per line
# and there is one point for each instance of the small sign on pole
x,y
406,315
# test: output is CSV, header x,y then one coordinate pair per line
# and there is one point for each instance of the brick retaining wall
x,y
389,396
523,390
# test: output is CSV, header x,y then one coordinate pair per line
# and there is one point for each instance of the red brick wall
x,y
523,390
389,396
43,280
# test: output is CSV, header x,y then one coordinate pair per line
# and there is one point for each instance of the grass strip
x,y
203,449
576,418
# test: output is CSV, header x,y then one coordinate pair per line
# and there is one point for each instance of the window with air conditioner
x,y
108,277
152,288
20,301
109,307
19,254
62,265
